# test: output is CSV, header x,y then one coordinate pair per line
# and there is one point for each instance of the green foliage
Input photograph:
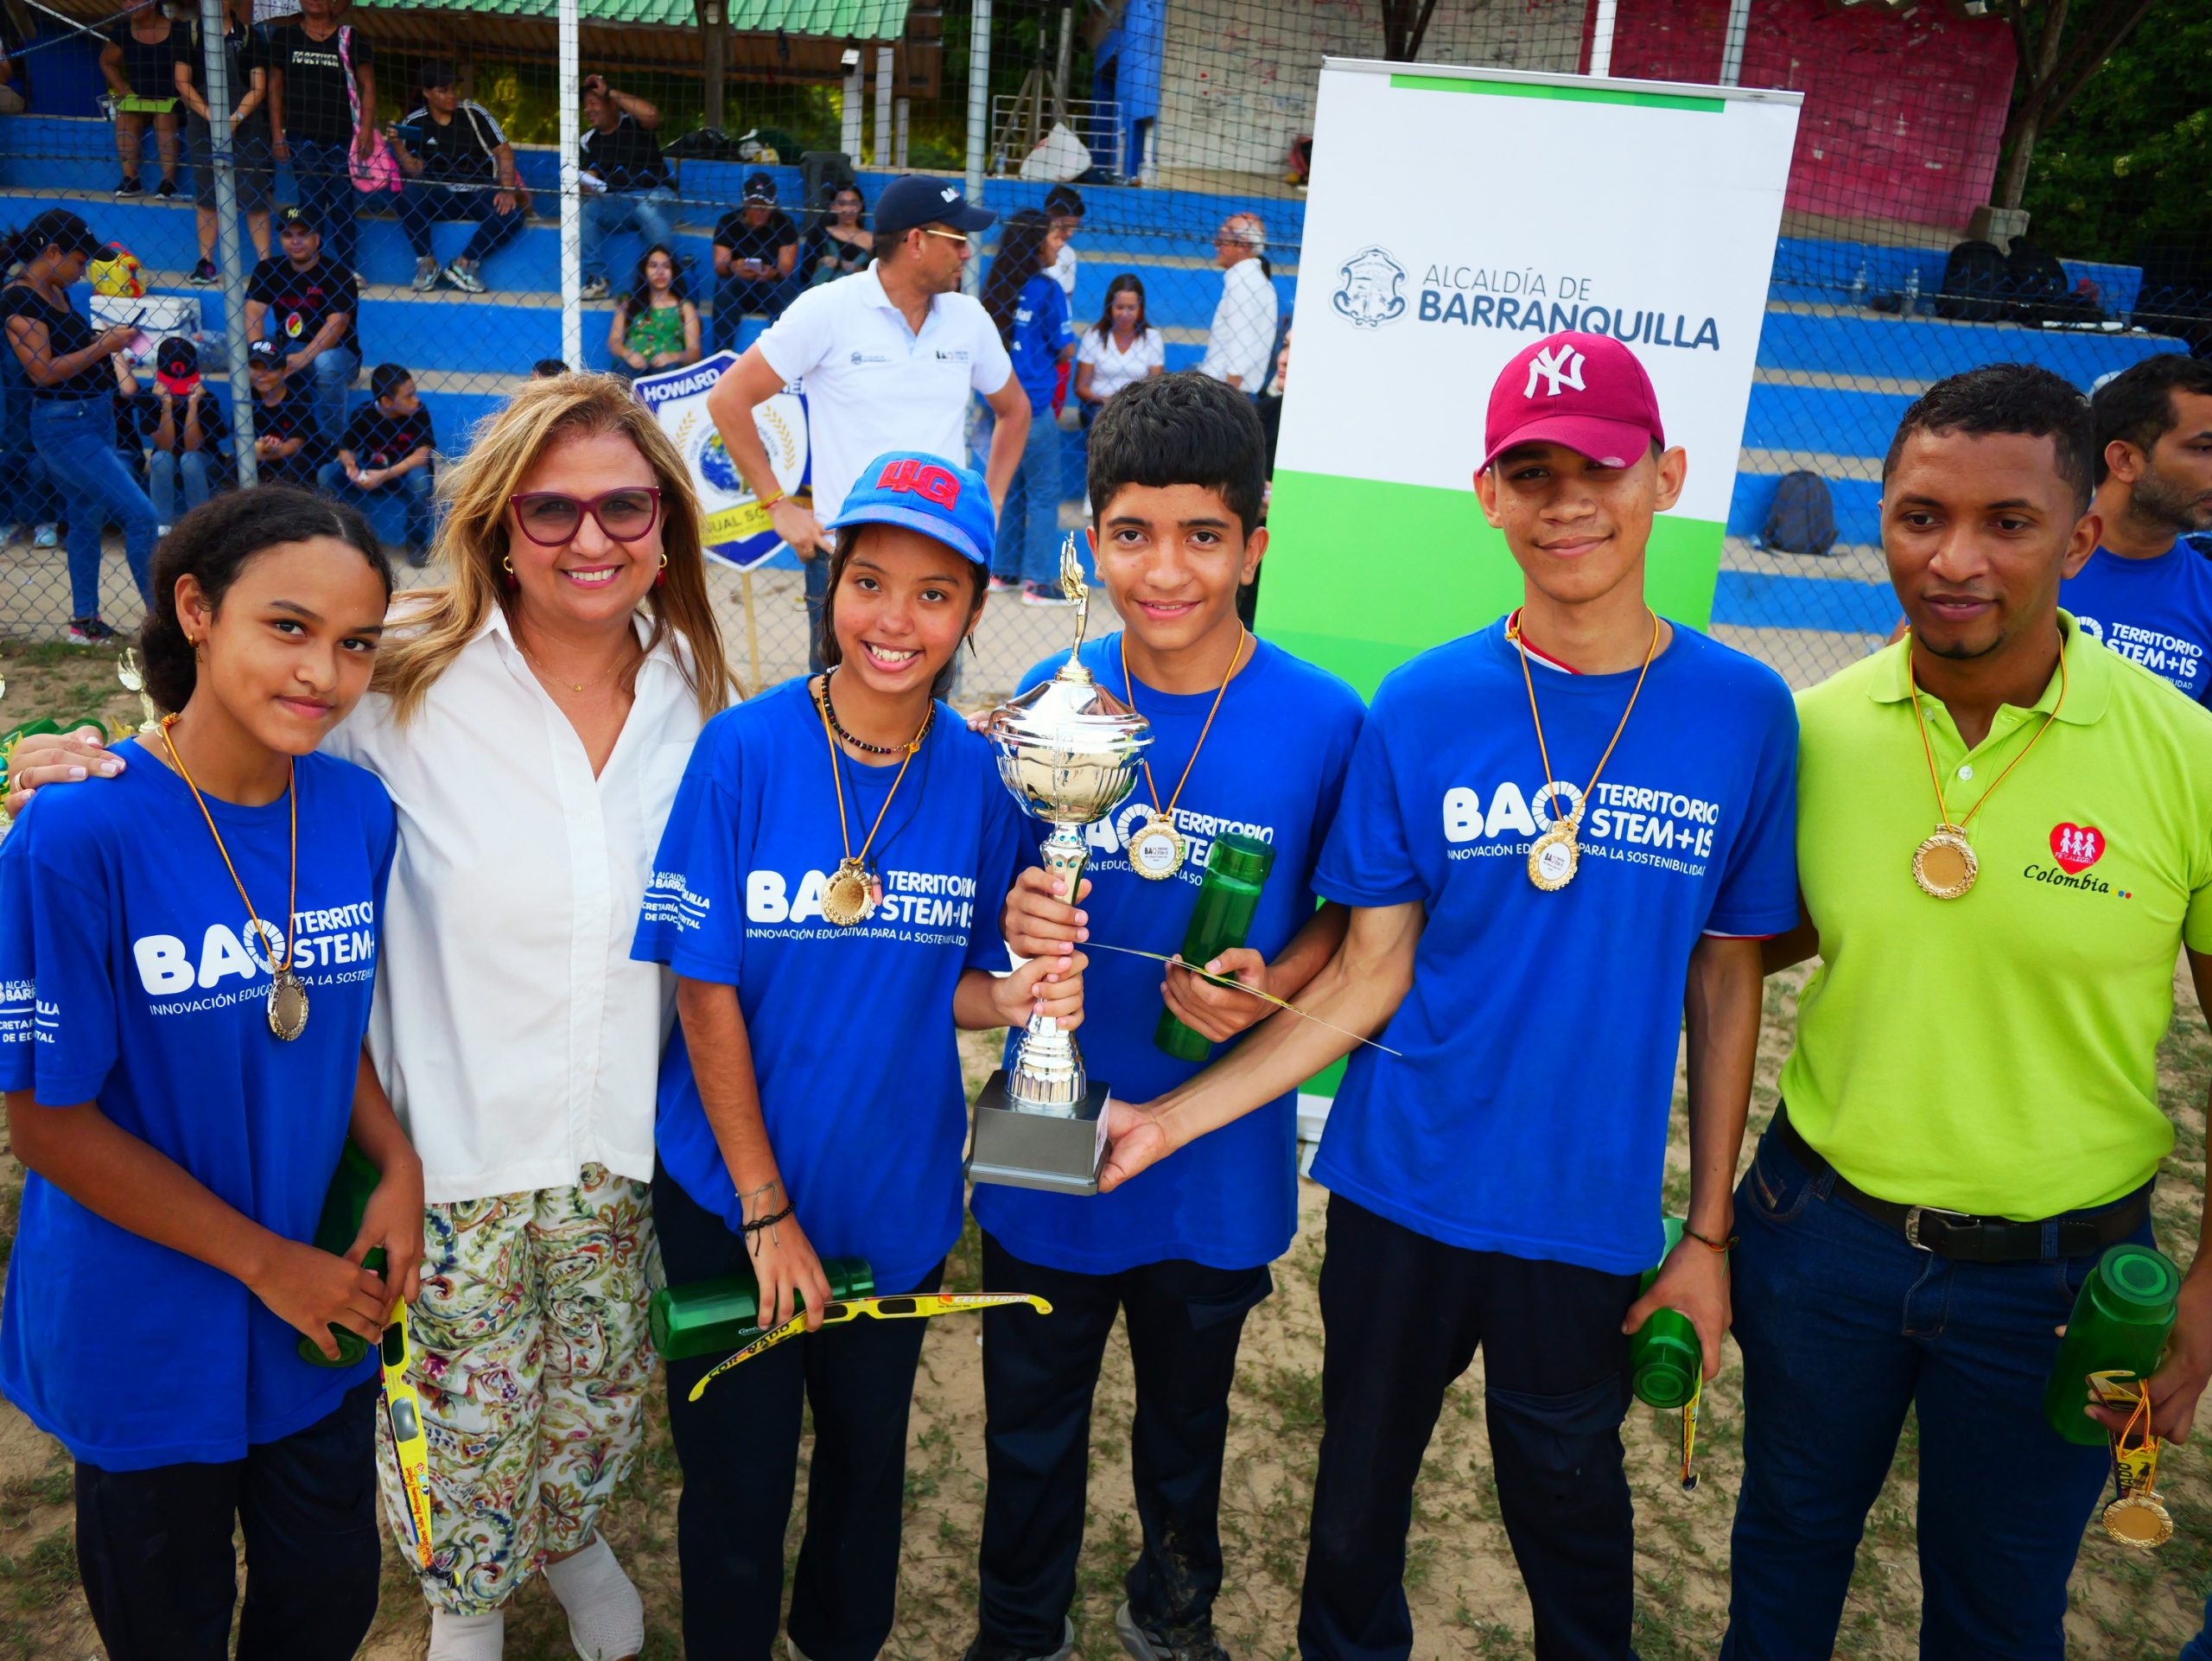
x,y
2126,168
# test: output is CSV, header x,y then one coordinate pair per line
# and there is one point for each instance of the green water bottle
x,y
714,1317
1665,1361
343,1206
2120,1319
1236,870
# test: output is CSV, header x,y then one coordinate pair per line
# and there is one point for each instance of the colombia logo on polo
x,y
2074,848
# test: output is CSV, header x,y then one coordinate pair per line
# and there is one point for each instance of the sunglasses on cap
x,y
550,518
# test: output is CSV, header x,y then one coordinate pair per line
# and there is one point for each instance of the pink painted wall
x,y
1903,115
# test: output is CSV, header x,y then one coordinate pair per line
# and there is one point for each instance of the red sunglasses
x,y
552,518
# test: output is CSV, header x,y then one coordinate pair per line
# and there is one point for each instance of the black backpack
x,y
1802,518
1974,277
2038,283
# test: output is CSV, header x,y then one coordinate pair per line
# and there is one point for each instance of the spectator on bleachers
x,y
252,171
625,182
72,406
182,440
1119,348
1242,336
284,444
459,165
547,369
139,61
1025,302
313,303
842,244
1063,207
323,100
654,326
756,251
389,448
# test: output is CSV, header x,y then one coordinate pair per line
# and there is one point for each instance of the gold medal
x,y
1554,857
1944,865
2135,1519
288,1005
1157,851
848,896
2139,1520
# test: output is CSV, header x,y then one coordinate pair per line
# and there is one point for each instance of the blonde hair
x,y
475,538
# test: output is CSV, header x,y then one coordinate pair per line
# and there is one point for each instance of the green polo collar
x,y
2088,680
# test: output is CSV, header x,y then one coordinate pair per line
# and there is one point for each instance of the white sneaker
x,y
594,288
10,532
46,535
426,274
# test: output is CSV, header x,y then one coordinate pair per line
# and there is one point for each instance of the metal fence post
x,y
215,65
979,111
571,79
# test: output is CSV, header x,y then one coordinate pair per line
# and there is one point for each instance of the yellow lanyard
x,y
1551,786
1943,808
1128,690
291,795
837,776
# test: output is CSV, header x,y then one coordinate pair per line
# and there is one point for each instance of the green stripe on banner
x,y
1362,574
1568,94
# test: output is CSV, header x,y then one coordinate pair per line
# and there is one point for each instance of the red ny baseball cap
x,y
1586,391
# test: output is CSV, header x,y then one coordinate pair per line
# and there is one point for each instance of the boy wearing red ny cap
x,y
1557,833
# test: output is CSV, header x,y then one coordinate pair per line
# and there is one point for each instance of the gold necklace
x,y
1157,851
1554,856
1944,865
287,997
850,895
573,685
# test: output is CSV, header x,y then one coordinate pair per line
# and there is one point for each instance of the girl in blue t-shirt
x,y
185,964
1030,310
828,893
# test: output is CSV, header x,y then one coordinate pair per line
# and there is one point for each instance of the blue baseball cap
x,y
927,493
915,199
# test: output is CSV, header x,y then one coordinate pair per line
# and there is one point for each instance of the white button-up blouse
x,y
517,1038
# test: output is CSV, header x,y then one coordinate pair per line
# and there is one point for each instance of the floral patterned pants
x,y
533,1356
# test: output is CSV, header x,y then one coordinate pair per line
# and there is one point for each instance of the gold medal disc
x,y
2139,1520
848,896
288,1005
1157,851
1554,858
1944,865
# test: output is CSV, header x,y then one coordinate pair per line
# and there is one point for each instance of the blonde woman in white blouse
x,y
1120,349
531,720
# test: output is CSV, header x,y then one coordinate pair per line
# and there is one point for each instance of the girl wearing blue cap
x,y
839,845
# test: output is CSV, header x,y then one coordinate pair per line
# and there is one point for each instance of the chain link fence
x,y
1177,134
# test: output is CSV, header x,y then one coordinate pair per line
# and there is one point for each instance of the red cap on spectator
x,y
1586,391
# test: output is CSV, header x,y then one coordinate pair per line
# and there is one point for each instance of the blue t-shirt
x,y
1528,1114
2156,611
131,978
853,1043
1273,768
1042,329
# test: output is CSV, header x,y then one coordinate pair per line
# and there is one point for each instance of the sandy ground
x,y
1464,1592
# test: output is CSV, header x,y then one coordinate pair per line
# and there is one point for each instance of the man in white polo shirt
x,y
889,356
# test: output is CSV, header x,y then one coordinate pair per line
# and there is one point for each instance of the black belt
x,y
1969,1238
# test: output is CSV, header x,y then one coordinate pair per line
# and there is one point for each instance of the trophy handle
x,y
1047,1076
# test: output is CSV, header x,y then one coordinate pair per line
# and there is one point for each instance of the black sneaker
x,y
204,275
983,1651
125,187
1192,1643
166,188
90,631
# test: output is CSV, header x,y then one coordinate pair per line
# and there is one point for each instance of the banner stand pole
x,y
751,628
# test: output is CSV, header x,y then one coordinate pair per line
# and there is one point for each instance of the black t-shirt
x,y
761,242
244,50
316,106
289,418
377,439
139,418
459,152
301,300
149,67
66,331
626,159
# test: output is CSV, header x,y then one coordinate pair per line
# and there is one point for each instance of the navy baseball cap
x,y
915,199
927,493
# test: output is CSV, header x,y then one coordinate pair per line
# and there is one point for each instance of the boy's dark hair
x,y
547,368
1064,201
215,541
1185,428
2136,406
2021,398
387,378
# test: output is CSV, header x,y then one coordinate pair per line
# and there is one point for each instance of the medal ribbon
x,y
1689,1433
2134,1470
837,776
1551,786
1129,696
1942,808
291,905
905,1306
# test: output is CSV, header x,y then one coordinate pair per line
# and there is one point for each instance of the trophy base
x,y
1019,1150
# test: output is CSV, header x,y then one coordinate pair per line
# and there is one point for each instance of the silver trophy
x,y
1068,750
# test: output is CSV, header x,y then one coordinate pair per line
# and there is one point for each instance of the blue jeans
x,y
817,590
75,438
163,470
651,213
1028,544
735,300
325,177
332,374
2200,1647
1843,1327
418,487
422,206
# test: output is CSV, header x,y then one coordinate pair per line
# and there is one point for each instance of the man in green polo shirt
x,y
2003,843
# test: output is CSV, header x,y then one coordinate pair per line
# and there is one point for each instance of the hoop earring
x,y
661,575
507,564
